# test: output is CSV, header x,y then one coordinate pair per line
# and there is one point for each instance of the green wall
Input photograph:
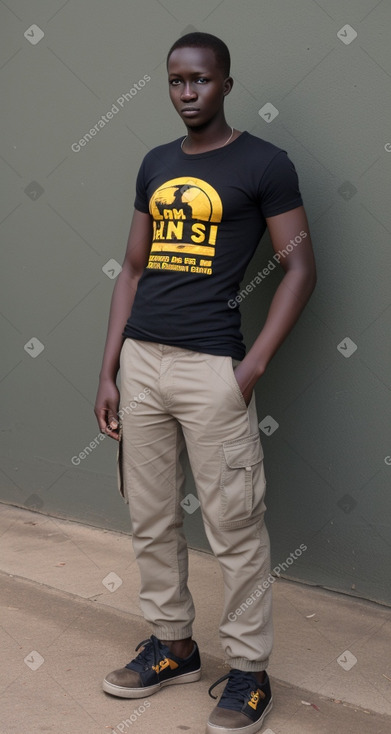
x,y
65,215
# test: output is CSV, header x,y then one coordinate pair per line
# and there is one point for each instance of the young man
x,y
202,205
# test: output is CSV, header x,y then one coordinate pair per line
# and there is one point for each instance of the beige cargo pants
x,y
172,398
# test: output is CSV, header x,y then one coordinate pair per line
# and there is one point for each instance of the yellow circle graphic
x,y
186,198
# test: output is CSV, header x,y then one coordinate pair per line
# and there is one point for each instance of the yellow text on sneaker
x,y
166,663
255,698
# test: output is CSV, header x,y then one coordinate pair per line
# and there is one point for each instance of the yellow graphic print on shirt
x,y
186,213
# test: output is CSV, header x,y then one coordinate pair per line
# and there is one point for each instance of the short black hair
x,y
205,40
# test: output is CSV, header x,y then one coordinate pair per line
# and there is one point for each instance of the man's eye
x,y
202,79
174,82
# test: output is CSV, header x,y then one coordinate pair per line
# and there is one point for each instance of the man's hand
x,y
246,384
106,408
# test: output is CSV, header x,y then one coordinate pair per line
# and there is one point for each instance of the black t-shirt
x,y
208,213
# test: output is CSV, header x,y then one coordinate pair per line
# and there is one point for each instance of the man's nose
x,y
188,92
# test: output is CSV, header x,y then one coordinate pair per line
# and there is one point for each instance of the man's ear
x,y
228,84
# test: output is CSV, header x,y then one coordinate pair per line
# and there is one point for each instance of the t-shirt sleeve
x,y
141,200
279,187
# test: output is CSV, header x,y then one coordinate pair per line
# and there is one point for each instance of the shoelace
x,y
238,685
151,653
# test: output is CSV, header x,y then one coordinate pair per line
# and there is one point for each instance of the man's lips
x,y
189,110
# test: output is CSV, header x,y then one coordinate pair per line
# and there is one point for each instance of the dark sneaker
x,y
154,667
243,705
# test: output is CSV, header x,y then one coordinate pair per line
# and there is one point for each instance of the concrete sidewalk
x,y
70,614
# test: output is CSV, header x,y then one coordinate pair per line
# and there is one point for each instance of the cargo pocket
x,y
243,482
120,474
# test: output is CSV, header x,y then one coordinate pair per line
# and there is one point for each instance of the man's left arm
x,y
290,297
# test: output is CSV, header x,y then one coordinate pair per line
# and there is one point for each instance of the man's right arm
x,y
136,258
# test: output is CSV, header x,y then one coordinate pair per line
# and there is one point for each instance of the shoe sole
x,y
123,692
253,728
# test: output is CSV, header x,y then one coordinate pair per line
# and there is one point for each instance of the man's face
x,y
197,85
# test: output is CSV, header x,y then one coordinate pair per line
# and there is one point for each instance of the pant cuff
x,y
248,666
171,632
